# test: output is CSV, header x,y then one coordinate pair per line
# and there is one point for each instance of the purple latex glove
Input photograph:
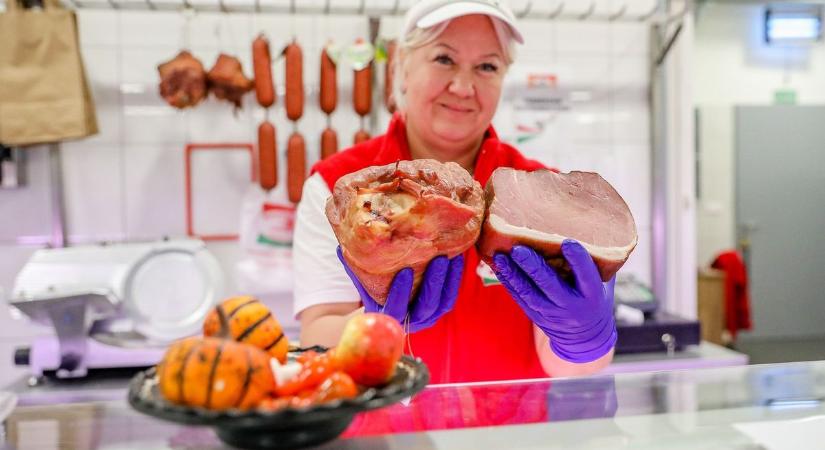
x,y
436,296
577,318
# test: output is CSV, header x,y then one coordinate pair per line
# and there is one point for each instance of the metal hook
x,y
650,14
221,6
557,12
618,14
151,5
589,11
257,5
362,7
395,7
527,9
326,6
292,6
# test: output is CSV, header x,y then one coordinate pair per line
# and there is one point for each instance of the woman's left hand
x,y
435,297
577,319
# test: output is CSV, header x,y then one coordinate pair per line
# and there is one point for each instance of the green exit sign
x,y
784,97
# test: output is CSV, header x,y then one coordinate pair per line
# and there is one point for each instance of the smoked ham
x,y
182,81
542,208
227,81
402,215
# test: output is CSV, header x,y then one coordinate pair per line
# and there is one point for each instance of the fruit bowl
x,y
286,428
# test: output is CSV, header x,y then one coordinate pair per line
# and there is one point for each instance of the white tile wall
x,y
154,186
128,182
93,180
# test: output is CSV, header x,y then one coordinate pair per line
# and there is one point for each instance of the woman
x,y
451,62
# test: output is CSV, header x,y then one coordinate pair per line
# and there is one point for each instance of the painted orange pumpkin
x,y
215,374
251,322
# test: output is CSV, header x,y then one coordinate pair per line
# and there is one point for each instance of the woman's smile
x,y
456,108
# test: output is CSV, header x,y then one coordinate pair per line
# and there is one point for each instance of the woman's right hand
x,y
436,297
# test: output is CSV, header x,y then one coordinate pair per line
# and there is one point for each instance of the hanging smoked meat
x,y
182,81
227,81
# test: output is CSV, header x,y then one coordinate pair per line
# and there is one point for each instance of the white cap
x,y
427,13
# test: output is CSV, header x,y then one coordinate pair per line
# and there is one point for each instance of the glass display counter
x,y
744,407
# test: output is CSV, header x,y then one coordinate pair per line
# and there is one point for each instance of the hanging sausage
x,y
262,65
267,156
296,165
296,147
362,98
389,101
294,81
328,100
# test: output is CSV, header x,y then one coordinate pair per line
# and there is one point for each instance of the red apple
x,y
370,347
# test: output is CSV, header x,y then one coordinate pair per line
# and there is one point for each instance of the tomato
x,y
339,385
314,371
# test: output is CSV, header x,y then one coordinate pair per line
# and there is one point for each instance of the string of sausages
x,y
362,99
296,159
264,85
328,100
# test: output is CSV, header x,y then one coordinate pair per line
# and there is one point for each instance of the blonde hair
x,y
420,37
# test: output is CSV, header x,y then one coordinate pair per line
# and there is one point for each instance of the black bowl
x,y
287,428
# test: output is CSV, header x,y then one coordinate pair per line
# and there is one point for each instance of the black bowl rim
x,y
411,377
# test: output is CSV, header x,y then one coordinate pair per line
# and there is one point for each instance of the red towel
x,y
737,301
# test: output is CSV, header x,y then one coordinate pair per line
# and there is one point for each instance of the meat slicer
x,y
113,305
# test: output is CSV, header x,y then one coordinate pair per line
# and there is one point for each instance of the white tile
x,y
219,180
154,185
391,26
582,37
149,120
639,8
152,29
93,192
630,76
630,122
539,34
140,64
102,71
217,121
630,39
30,204
587,123
540,8
97,28
228,32
583,71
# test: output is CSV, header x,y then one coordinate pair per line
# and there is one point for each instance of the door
x,y
780,212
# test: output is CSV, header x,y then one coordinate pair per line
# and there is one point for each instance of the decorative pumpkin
x,y
215,374
248,321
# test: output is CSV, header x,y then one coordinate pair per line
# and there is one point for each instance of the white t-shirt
x,y
319,275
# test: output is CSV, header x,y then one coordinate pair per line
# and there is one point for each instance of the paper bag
x,y
44,93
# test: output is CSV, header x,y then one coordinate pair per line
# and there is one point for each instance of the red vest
x,y
486,336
